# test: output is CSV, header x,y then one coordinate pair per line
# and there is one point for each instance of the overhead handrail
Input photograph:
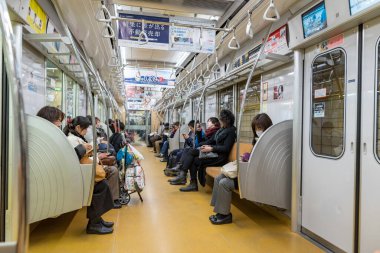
x,y
216,66
143,37
249,28
113,62
207,73
103,10
108,31
272,8
234,41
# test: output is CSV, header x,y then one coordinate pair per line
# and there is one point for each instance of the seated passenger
x,y
102,197
165,142
178,153
213,125
221,145
117,139
157,139
223,185
188,142
75,133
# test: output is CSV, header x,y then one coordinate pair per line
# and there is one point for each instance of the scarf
x,y
211,131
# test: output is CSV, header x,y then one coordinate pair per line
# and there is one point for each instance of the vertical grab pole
x,y
12,46
87,83
199,104
252,71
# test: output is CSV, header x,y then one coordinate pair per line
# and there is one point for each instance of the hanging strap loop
x,y
249,29
143,37
103,10
108,31
234,43
271,8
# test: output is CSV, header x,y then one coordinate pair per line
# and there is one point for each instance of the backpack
x,y
134,178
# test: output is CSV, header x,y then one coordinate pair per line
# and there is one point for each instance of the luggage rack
x,y
125,194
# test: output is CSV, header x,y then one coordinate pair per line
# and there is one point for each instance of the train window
x,y
197,114
70,96
378,103
54,78
210,106
251,108
327,108
82,102
226,99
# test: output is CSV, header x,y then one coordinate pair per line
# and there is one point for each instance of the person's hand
x,y
206,149
186,136
102,155
88,147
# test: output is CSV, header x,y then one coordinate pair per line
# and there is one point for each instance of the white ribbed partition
x,y
57,183
266,178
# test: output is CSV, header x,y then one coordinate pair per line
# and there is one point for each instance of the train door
x,y
329,141
370,137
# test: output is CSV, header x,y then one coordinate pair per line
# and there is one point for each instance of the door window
x,y
226,99
327,107
378,103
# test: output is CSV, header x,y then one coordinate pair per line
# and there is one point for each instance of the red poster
x,y
277,41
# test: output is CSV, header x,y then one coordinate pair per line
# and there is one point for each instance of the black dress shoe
x,y
222,220
98,229
116,204
212,217
180,182
181,176
108,224
192,187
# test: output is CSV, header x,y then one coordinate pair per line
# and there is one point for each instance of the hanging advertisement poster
x,y
277,41
191,39
149,77
142,98
154,27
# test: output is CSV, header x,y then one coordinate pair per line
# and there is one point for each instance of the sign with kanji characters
x,y
156,28
149,77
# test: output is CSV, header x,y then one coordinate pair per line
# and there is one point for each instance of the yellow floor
x,y
168,221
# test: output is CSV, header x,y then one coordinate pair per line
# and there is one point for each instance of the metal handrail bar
x,y
12,59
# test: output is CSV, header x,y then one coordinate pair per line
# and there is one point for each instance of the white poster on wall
x,y
191,39
33,81
277,100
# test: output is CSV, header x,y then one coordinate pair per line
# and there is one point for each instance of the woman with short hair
x,y
223,185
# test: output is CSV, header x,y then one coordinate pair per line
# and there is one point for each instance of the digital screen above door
x,y
359,5
314,20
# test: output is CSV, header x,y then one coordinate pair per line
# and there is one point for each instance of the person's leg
x,y
222,206
215,189
193,186
113,181
187,163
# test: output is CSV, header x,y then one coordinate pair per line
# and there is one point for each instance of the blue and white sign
x,y
359,5
314,20
157,33
149,77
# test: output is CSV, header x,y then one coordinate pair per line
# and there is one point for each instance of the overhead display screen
x,y
359,5
314,20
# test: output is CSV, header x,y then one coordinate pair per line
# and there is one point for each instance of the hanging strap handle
x,y
113,62
271,7
249,29
108,31
234,43
143,37
103,10
207,73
